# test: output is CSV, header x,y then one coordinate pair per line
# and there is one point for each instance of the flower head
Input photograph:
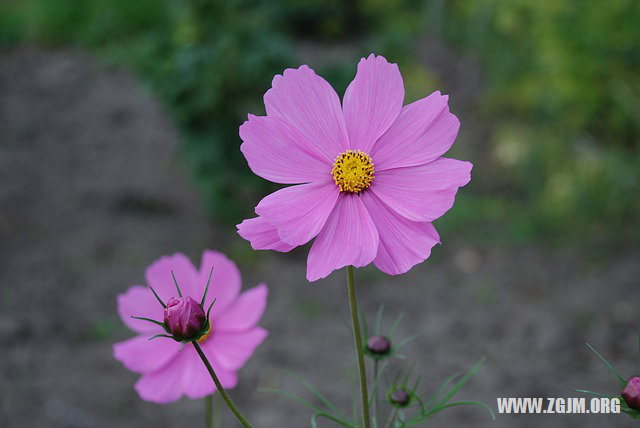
x,y
368,174
378,345
184,318
228,336
631,393
399,397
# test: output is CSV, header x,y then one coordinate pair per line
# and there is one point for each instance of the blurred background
x,y
119,143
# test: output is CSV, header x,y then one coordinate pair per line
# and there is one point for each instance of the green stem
x,y
376,412
221,390
208,411
393,417
356,333
217,413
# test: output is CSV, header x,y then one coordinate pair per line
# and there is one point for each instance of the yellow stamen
x,y
353,171
205,336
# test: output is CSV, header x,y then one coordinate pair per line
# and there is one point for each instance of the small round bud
x,y
378,345
631,393
400,398
184,317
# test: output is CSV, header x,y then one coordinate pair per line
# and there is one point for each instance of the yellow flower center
x,y
205,336
353,171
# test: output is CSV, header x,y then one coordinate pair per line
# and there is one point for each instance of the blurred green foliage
x,y
562,90
208,60
564,94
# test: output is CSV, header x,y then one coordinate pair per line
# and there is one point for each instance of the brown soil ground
x,y
92,189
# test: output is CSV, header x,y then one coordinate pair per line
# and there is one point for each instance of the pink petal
x,y
348,238
166,384
299,212
159,277
422,193
310,105
139,301
262,235
225,281
233,350
197,380
278,152
403,243
244,313
184,374
372,101
141,355
424,131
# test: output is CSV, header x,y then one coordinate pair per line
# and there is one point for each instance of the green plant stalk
x,y
393,417
358,338
217,413
208,411
221,390
376,412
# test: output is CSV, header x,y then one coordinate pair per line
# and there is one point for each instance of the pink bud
x,y
378,345
184,317
631,393
400,398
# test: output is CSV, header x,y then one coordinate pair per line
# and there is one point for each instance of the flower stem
x,y
376,413
208,411
221,390
356,333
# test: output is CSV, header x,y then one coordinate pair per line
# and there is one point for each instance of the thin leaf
x,y
597,394
408,375
440,390
160,335
314,423
376,382
422,406
379,318
292,397
210,306
206,289
175,281
393,417
415,386
406,340
348,325
465,403
365,327
158,297
313,390
446,397
394,327
161,324
622,382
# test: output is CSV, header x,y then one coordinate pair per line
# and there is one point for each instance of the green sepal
x,y
158,297
209,310
621,380
162,335
175,281
206,289
161,324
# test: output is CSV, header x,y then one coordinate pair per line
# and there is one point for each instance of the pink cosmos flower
x,y
369,174
167,373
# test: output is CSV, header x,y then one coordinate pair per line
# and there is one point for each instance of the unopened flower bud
x,y
184,317
378,345
400,398
631,393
